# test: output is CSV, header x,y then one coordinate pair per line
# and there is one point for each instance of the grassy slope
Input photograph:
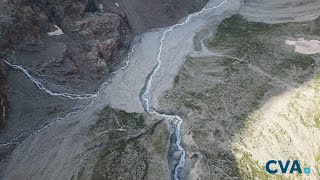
x,y
225,92
115,156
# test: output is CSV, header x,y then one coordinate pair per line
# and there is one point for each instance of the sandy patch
x,y
305,46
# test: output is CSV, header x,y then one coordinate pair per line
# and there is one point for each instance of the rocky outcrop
x,y
72,46
146,14
3,98
105,28
89,46
69,46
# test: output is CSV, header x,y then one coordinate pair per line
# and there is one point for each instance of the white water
x,y
178,121
34,132
71,95
44,88
66,95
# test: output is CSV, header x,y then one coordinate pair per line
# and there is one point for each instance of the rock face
x,y
95,35
3,98
69,46
72,46
105,27
147,14
92,43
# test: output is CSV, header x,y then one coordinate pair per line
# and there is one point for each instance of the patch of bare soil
x,y
305,46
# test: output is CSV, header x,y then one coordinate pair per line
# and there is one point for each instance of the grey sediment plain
x,y
280,11
58,151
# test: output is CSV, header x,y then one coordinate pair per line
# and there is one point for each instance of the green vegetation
x,y
303,121
298,60
200,136
80,174
225,92
160,143
176,79
250,169
130,158
317,83
318,157
110,130
242,36
116,162
112,119
317,120
121,147
117,153
315,27
264,45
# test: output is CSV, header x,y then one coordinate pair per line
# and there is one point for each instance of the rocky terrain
x,y
130,146
65,137
3,98
77,60
146,14
248,97
50,49
68,46
234,82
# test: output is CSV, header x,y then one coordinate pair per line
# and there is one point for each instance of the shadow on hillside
x,y
223,92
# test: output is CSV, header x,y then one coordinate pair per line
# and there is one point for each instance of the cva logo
x,y
287,167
